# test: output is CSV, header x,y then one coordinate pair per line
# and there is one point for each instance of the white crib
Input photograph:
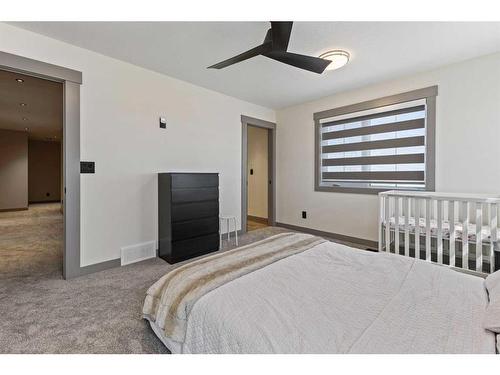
x,y
457,230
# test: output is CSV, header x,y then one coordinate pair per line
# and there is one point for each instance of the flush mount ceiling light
x,y
19,80
23,104
338,58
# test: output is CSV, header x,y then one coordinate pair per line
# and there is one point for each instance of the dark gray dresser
x,y
188,215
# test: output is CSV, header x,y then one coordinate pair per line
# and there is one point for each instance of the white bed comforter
x,y
335,299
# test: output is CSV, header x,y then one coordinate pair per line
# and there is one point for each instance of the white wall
x,y
120,106
467,146
258,161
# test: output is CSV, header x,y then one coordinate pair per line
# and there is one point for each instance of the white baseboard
x,y
136,253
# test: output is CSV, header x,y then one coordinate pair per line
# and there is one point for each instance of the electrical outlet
x,y
304,215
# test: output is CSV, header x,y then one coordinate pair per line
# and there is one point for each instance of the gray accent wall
x,y
44,171
13,170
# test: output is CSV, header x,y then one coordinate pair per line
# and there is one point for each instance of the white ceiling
x,y
380,51
42,114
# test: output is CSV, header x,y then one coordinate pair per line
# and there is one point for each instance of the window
x,y
379,145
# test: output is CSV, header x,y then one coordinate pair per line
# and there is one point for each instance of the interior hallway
x,y
31,241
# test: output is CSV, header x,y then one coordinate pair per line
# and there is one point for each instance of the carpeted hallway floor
x,y
99,313
30,241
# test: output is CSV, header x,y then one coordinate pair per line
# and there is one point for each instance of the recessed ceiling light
x,y
25,119
26,129
20,80
23,104
337,57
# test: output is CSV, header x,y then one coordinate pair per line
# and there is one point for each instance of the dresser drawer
x,y
188,215
195,228
194,246
190,180
196,210
195,195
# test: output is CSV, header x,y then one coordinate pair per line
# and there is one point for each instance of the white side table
x,y
228,220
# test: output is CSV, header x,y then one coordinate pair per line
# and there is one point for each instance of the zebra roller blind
x,y
380,148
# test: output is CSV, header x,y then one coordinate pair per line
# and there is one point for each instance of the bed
x,y
297,293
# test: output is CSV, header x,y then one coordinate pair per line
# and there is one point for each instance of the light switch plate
x,y
87,167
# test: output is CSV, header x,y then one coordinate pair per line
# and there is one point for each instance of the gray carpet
x,y
99,313
31,241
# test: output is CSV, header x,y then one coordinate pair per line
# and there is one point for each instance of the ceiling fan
x,y
275,47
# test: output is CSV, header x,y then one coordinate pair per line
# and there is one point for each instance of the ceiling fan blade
x,y
281,32
259,50
313,64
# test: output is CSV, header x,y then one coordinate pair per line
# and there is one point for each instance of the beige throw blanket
x,y
170,300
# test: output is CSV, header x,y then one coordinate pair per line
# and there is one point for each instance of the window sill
x,y
358,190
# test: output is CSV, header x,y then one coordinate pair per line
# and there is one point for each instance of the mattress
x,y
335,299
459,232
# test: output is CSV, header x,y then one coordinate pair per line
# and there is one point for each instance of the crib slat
x,y
451,219
457,210
479,241
465,237
417,228
428,230
387,224
396,225
380,222
439,231
407,206
493,235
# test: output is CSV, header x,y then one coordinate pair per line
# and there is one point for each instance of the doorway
x,y
258,173
257,177
69,82
31,217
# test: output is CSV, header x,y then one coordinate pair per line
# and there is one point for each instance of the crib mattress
x,y
459,229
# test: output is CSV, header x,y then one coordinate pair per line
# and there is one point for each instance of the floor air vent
x,y
136,253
